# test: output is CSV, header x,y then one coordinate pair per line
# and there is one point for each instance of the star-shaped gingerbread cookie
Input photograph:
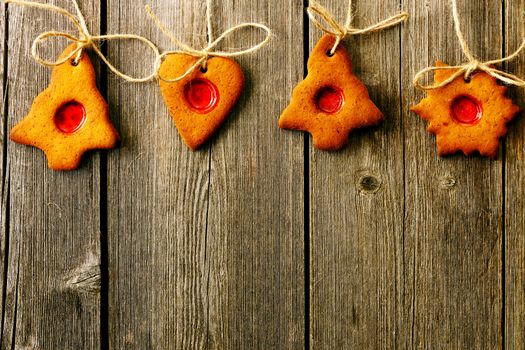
x,y
331,101
465,116
68,118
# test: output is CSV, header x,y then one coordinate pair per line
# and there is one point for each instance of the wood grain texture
x,y
206,249
515,191
453,218
256,217
157,197
357,267
206,252
5,189
53,278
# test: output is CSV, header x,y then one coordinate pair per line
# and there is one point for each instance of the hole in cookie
x,y
330,99
70,117
74,63
466,110
329,53
201,95
204,69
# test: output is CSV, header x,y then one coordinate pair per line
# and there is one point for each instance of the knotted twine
x,y
209,51
342,31
473,64
84,40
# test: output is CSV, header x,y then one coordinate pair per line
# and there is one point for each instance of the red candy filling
x,y
70,117
201,95
330,100
466,110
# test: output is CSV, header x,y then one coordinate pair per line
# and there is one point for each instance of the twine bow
x,y
473,64
204,54
341,31
84,39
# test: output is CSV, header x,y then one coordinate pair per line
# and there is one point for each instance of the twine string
x,y
209,32
84,40
329,24
473,64
209,51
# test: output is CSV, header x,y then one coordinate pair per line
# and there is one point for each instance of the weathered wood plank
x,y
4,190
157,198
515,192
357,267
54,221
194,262
158,194
453,237
256,216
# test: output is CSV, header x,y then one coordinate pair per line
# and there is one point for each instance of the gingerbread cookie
x,y
467,116
68,118
200,102
331,102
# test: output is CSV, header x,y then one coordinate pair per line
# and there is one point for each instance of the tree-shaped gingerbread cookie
x,y
331,102
68,118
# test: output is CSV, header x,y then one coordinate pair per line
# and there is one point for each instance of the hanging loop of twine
x,y
209,51
331,26
84,40
473,65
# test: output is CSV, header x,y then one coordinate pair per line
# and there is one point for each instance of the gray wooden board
x,y
5,189
157,198
453,205
256,218
515,191
357,267
206,248
53,276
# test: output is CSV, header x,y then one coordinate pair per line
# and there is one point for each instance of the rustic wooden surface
x,y
356,201
51,297
219,232
514,186
453,206
259,240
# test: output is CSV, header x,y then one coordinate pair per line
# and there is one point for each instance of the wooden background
x,y
259,241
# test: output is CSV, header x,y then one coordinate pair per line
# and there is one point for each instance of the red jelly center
x,y
330,100
70,117
201,95
466,110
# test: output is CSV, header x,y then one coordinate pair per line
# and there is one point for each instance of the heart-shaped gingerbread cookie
x,y
200,102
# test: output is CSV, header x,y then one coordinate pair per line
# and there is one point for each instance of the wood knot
x,y
86,278
368,184
447,182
